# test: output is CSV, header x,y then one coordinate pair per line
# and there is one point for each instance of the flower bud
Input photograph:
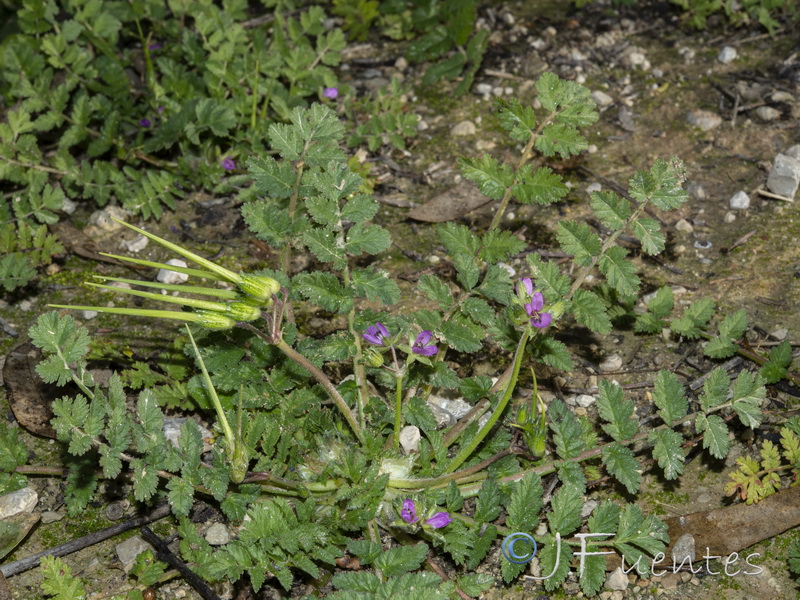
x,y
242,311
214,320
536,438
557,309
373,358
238,463
261,288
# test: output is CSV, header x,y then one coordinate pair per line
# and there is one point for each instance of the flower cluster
x,y
377,334
409,515
533,302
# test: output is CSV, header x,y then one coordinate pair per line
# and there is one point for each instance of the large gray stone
x,y
784,178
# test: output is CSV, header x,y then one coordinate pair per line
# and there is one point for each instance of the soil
x,y
746,259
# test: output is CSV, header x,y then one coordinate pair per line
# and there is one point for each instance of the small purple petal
x,y
527,284
160,109
541,319
423,338
330,92
228,164
409,512
145,122
537,302
439,520
425,350
382,329
155,46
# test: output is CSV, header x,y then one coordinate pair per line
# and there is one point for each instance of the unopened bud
x,y
373,358
214,320
260,288
557,309
241,311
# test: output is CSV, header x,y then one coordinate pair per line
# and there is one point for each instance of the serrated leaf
x,y
779,359
325,290
620,272
324,244
670,397
566,431
369,239
435,289
554,560
617,411
571,100
359,208
694,318
518,120
715,435
548,277
478,310
500,245
458,239
181,495
561,139
487,507
467,270
578,240
662,303
525,503
667,451
748,393
612,210
565,516
648,232
589,310
460,337
661,185
715,389
540,187
492,177
604,518
145,480
375,284
401,559
621,463
594,575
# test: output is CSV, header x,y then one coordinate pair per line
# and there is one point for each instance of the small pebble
x,y
128,550
409,438
116,510
401,64
88,315
740,201
51,516
464,128
727,55
135,245
483,89
784,177
617,580
684,225
612,362
25,305
68,206
218,535
593,187
103,218
704,498
730,217
165,276
781,96
422,125
697,191
767,113
585,400
705,120
780,334
602,99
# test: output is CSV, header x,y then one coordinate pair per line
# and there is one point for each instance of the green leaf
x,y
619,412
325,290
578,240
324,244
181,495
496,284
475,584
570,99
694,318
566,431
467,270
731,329
435,289
478,310
748,393
777,366
715,389
604,518
359,208
551,555
369,239
375,284
620,272
443,376
662,303
492,177
460,336
487,508
621,463
558,138
518,120
648,232
715,434
58,581
667,451
612,210
458,239
217,117
548,277
401,559
323,210
272,178
500,245
594,574
589,310
63,338
541,187
567,504
145,480
670,398
661,185
525,503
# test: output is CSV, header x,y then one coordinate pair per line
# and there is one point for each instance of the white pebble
x,y
409,438
165,276
135,245
740,201
727,54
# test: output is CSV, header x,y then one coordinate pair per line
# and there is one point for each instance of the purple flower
x,y
145,122
533,310
228,164
375,334
331,93
439,520
527,286
421,345
409,512
160,109
155,46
